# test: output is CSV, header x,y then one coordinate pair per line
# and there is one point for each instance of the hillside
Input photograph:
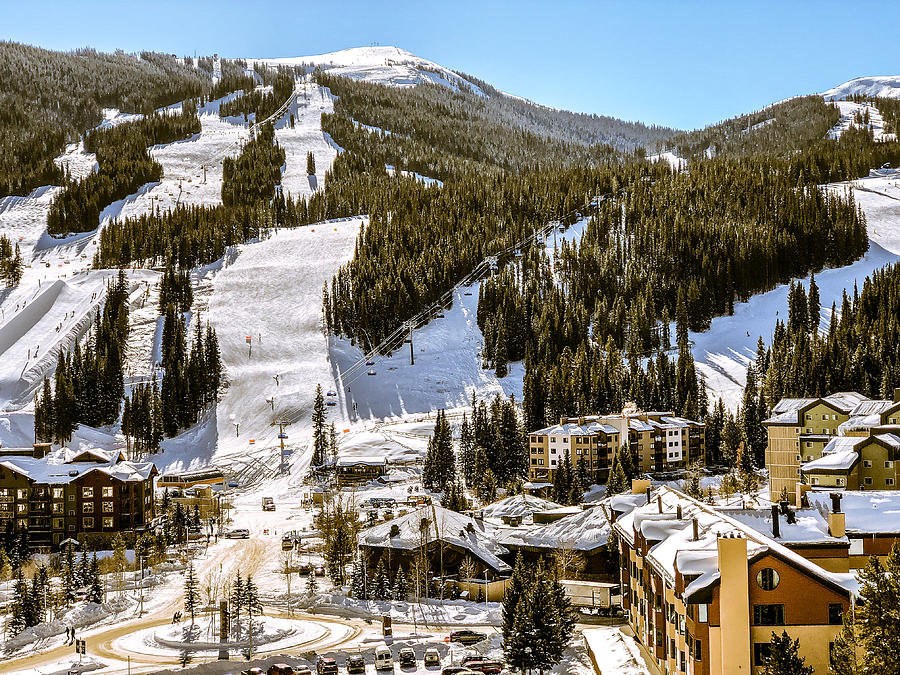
x,y
885,86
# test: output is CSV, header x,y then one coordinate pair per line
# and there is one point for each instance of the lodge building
x,y
70,493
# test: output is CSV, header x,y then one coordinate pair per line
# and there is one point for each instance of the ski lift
x,y
331,393
282,436
330,402
371,372
370,363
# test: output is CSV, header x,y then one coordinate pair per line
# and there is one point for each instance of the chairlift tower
x,y
282,467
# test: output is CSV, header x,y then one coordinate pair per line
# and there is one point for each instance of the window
x,y
808,416
108,491
88,523
71,498
698,652
768,615
867,463
23,494
107,523
107,507
87,507
58,507
57,493
681,665
72,527
21,508
888,465
57,523
888,481
702,614
815,481
87,492
868,480
835,614
840,481
761,651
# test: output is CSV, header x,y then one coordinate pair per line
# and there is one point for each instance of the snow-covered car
x,y
326,666
483,665
432,657
237,533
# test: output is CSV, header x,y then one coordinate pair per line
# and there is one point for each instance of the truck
x,y
604,598
268,504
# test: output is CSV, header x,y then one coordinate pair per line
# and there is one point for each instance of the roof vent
x,y
776,523
73,472
836,502
678,512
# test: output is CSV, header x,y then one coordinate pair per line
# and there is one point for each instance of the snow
x,y
881,86
517,506
675,162
849,110
867,512
810,525
381,65
614,652
583,531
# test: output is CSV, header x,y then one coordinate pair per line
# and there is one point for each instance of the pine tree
x,y
358,581
191,593
381,588
69,575
320,437
784,657
467,451
95,589
310,164
455,497
252,601
237,602
501,359
401,588
617,483
21,609
515,591
440,461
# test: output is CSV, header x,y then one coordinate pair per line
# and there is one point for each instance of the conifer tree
x,y
440,461
310,164
617,483
191,592
401,588
95,589
320,436
784,657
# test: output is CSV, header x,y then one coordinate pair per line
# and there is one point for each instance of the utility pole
x,y
412,358
281,436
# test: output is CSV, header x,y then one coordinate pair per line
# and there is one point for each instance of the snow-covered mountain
x,y
382,65
886,86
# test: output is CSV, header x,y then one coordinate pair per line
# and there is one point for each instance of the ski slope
x,y
849,110
271,293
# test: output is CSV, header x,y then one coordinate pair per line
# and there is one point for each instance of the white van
x,y
383,658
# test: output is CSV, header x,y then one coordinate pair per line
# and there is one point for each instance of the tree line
x,y
11,264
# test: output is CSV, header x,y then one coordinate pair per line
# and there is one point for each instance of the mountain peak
x,y
883,86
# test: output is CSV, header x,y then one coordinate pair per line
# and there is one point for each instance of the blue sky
x,y
680,63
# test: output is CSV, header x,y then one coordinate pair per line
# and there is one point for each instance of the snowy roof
x,y
50,470
678,550
583,531
361,460
810,525
624,503
839,460
589,428
680,421
786,411
865,415
455,529
842,452
866,512
517,505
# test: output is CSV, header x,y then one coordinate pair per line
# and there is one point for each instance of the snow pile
x,y
613,652
80,616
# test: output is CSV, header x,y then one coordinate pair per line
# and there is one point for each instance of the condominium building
x,y
69,493
656,441
798,431
705,588
803,443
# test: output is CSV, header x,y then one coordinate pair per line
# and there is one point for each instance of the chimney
x,y
678,512
696,527
639,485
659,503
40,450
837,521
734,614
801,490
776,524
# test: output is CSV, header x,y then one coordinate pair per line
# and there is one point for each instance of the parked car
x,y
326,666
466,636
319,571
407,658
458,670
237,533
483,665
384,660
280,669
356,663
253,671
302,670
432,657
304,568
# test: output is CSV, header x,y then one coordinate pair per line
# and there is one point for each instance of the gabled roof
x,y
51,470
866,512
843,452
589,428
517,505
787,410
584,531
440,524
677,551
